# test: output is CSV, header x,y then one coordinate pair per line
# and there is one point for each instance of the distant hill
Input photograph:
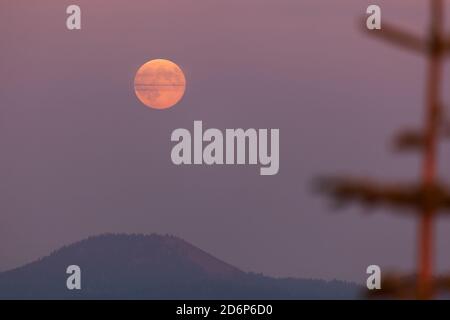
x,y
153,267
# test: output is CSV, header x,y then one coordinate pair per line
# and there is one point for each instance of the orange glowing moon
x,y
159,84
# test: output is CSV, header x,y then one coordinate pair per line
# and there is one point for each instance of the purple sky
x,y
80,155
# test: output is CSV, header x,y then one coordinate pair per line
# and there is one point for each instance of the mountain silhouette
x,y
153,267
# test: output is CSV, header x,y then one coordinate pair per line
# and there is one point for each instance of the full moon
x,y
159,84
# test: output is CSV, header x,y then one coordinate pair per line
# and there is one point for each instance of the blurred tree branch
x,y
397,36
369,193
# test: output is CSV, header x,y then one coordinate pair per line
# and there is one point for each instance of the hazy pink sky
x,y
81,156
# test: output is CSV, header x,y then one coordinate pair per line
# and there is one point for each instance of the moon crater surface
x,y
159,84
